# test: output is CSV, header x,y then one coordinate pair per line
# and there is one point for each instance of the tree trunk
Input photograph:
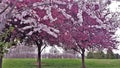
x,y
39,44
1,61
83,58
39,56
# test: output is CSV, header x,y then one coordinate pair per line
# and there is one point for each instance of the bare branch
x,y
4,9
9,13
44,47
76,50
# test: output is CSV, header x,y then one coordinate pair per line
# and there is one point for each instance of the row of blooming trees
x,y
71,24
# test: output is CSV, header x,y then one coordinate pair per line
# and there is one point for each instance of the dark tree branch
x,y
44,47
9,13
4,9
76,50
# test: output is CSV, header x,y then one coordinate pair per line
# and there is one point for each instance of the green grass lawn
x,y
61,63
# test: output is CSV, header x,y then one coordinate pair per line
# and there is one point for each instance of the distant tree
x,y
96,55
99,55
90,55
110,54
117,56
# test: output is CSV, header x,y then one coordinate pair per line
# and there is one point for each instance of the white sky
x,y
115,7
118,35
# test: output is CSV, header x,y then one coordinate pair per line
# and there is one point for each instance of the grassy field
x,y
61,63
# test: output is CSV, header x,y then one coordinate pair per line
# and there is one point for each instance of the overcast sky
x,y
115,7
118,34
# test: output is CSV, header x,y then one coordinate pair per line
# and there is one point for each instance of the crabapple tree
x,y
84,25
30,21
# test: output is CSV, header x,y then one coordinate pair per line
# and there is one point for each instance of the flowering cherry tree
x,y
28,27
32,23
83,25
93,28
